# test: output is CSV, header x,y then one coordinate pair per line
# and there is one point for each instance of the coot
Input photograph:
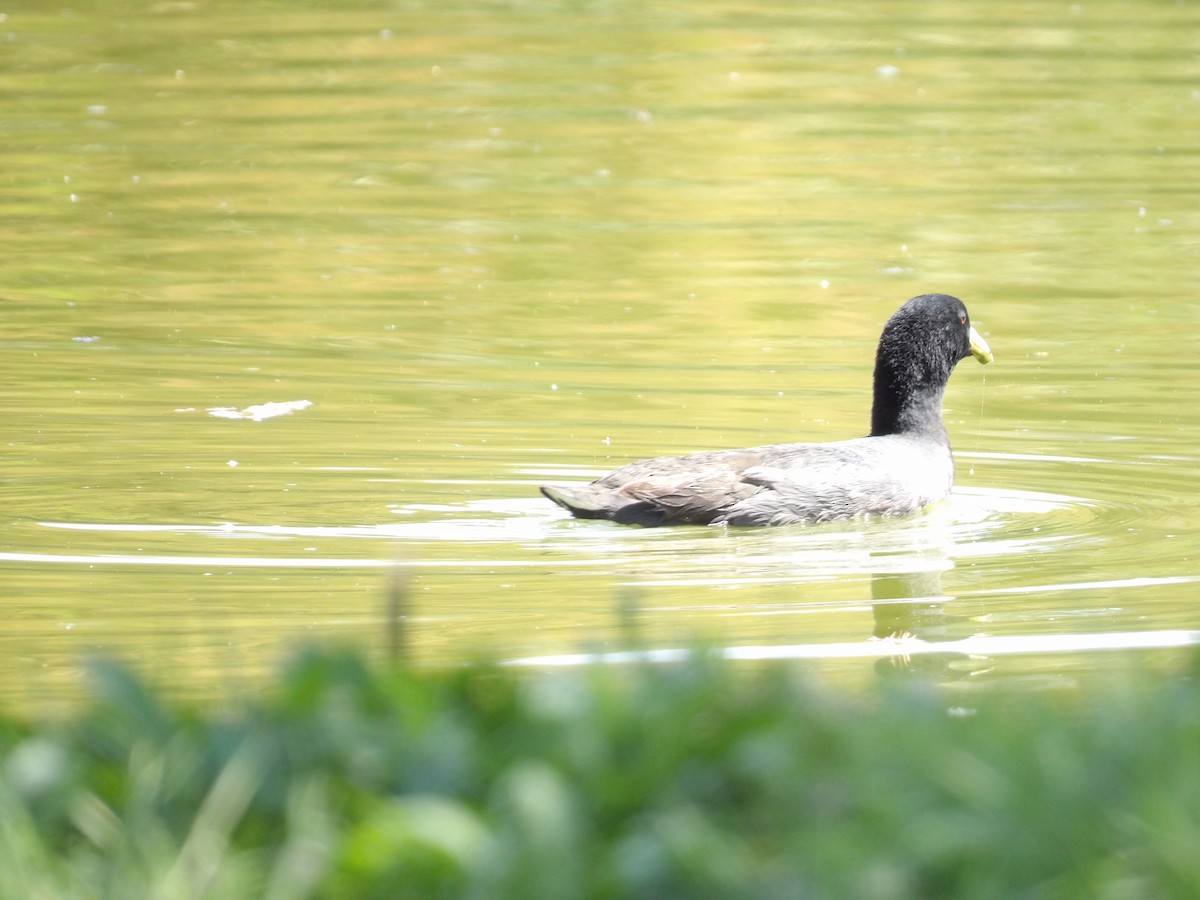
x,y
903,465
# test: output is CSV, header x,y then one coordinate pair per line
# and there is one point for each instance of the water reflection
x,y
648,579
909,607
898,609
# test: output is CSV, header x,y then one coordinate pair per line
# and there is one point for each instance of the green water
x,y
490,245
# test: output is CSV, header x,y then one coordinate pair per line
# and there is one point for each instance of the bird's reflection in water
x,y
911,605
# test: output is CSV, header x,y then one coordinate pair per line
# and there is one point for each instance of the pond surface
x,y
296,300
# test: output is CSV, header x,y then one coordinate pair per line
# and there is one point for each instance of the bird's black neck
x,y
906,403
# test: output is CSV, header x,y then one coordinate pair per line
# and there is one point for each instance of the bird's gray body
x,y
777,484
901,466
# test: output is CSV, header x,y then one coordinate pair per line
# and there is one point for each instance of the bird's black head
x,y
920,346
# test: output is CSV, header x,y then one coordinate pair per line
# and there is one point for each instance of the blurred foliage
x,y
693,780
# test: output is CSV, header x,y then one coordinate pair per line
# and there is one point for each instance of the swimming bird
x,y
903,465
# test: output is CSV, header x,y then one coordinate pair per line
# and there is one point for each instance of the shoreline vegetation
x,y
698,779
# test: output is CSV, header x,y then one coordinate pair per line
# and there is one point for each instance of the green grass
x,y
693,780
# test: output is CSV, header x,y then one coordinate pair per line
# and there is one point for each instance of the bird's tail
x,y
574,502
